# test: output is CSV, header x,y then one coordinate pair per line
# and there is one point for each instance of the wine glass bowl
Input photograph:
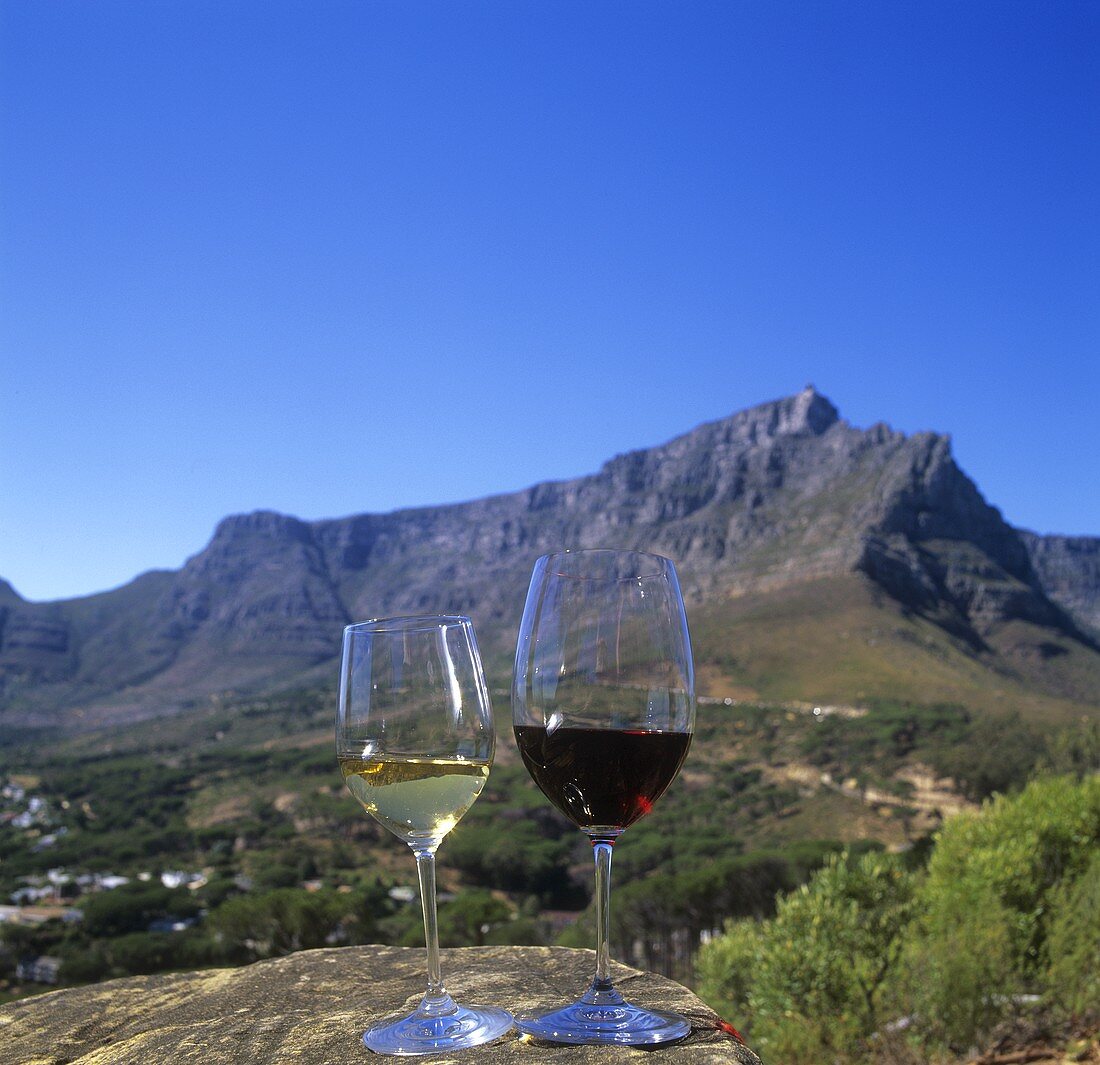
x,y
603,705
414,742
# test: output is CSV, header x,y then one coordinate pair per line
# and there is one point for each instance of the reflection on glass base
x,y
427,1032
605,1017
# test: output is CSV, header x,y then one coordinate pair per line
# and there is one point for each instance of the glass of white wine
x,y
415,739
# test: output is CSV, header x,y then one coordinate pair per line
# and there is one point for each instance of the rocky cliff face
x,y
1069,569
781,493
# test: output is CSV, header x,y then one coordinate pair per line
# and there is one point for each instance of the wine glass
x,y
603,704
414,739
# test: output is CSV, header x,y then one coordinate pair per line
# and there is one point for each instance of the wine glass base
x,y
425,1033
586,1023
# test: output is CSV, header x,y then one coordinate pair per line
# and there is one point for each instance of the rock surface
x,y
310,1009
1069,567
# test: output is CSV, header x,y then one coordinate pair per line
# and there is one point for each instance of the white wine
x,y
418,799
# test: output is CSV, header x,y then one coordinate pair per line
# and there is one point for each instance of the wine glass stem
x,y
601,850
425,867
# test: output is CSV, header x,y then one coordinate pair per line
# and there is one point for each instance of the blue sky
x,y
331,257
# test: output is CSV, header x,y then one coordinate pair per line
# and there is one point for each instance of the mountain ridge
x,y
780,494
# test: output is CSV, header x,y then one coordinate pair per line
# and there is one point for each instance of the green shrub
x,y
994,881
142,952
1073,944
1019,848
958,970
519,860
810,982
889,731
726,969
1075,749
84,964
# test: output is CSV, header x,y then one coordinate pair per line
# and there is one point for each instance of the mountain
x,y
1068,567
819,561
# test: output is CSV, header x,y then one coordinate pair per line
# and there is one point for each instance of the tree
x,y
132,907
998,756
277,922
467,919
1075,749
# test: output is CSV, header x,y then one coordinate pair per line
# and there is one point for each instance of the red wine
x,y
602,778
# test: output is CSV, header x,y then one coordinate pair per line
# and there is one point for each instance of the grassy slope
x,y
838,640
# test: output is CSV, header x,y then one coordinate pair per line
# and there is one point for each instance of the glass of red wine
x,y
603,704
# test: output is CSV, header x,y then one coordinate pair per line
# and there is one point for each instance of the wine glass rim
x,y
409,623
659,564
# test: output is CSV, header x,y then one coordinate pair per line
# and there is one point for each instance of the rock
x,y
1069,567
310,1008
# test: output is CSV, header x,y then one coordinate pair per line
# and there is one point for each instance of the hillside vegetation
x,y
246,800
875,960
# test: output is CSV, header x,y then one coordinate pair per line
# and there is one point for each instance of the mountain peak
x,y
8,593
809,411
806,413
267,524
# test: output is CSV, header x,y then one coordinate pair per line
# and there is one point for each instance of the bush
x,y
216,890
890,731
1073,944
143,952
998,881
1020,848
653,909
658,920
812,979
958,971
1075,750
1009,904
367,907
727,966
83,964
